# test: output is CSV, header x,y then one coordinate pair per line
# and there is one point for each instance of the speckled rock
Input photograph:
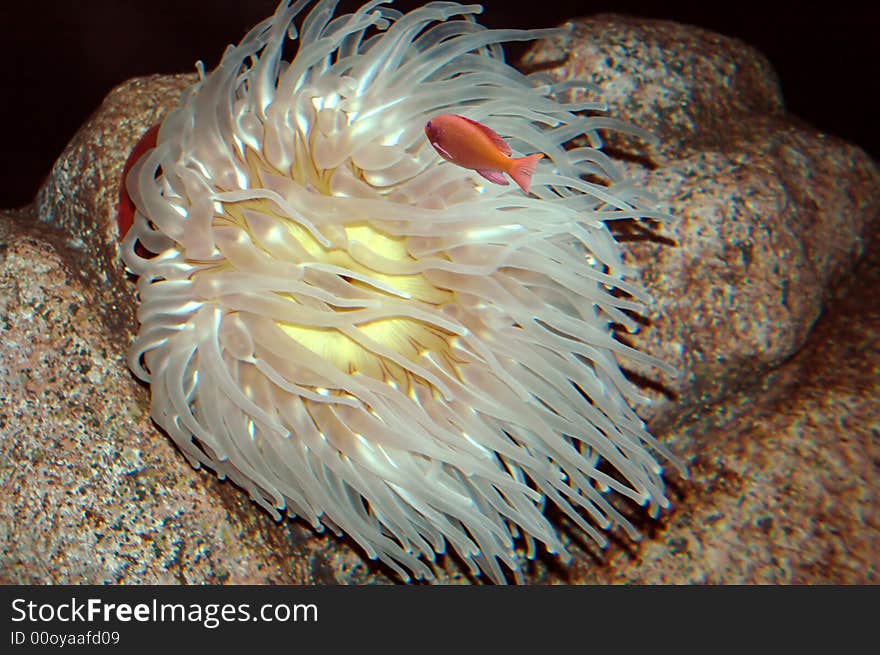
x,y
683,84
92,492
779,420
769,213
771,216
785,482
81,194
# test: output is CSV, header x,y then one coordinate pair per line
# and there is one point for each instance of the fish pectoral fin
x,y
497,177
441,150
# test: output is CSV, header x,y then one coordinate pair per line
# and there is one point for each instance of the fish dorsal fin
x,y
493,136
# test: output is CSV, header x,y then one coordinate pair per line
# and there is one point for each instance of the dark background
x,y
59,59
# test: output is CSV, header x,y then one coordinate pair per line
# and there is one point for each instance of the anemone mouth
x,y
355,330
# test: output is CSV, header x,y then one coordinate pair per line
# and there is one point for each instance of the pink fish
x,y
470,144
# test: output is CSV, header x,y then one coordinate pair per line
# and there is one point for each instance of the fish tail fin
x,y
522,170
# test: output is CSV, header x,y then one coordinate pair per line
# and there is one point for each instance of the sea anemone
x,y
371,338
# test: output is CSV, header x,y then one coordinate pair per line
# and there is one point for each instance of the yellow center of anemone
x,y
410,339
407,337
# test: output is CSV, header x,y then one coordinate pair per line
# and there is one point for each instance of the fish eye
x,y
428,124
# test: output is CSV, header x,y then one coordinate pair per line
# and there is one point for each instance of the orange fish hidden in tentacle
x,y
125,214
470,144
